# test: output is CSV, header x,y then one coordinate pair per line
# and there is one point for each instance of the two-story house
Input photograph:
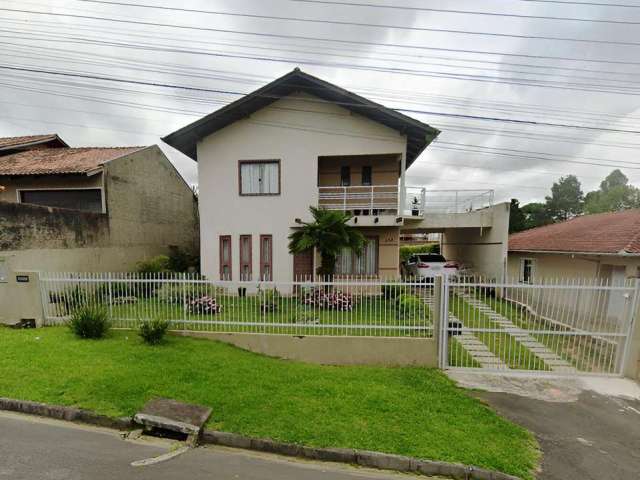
x,y
301,141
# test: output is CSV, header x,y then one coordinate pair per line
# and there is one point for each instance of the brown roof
x,y
49,161
617,232
14,142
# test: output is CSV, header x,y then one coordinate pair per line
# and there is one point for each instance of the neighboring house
x,y
301,141
603,247
90,209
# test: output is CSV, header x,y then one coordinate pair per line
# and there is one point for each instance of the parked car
x,y
429,265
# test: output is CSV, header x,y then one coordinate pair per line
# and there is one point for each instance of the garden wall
x,y
333,350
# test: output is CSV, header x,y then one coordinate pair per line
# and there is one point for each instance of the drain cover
x,y
167,414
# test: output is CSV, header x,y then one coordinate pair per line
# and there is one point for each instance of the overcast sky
x,y
464,89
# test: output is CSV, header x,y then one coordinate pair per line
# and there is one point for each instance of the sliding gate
x,y
549,327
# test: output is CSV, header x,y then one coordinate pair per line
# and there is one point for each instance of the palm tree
x,y
329,234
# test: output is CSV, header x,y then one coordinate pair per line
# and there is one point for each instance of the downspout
x,y
403,169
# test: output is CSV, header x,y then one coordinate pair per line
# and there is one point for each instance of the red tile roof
x,y
617,232
14,142
51,161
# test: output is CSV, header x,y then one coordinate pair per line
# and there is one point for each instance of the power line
x,y
324,51
331,40
367,25
202,89
442,10
623,5
614,89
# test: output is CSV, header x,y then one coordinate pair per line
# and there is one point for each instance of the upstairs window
x,y
259,177
345,176
88,200
225,257
245,258
366,176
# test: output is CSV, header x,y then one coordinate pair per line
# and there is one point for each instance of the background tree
x,y
329,233
536,214
566,200
615,194
517,219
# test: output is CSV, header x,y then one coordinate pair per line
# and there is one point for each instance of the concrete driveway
x,y
588,429
38,449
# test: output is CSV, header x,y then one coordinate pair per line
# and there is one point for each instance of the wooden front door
x,y
303,265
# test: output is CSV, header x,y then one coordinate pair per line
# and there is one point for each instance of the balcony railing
x,y
360,200
420,201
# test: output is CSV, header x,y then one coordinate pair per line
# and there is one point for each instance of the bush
x,y
407,250
157,264
182,261
90,322
177,294
153,331
391,290
269,299
317,297
410,307
204,304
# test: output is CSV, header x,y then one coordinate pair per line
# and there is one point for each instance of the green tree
x,y
517,219
615,194
329,233
535,215
566,198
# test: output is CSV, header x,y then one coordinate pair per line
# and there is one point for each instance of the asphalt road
x,y
34,449
595,437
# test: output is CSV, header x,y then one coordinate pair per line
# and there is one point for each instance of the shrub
x,y
177,294
391,290
153,331
407,250
182,261
89,322
154,265
204,304
269,299
410,307
317,297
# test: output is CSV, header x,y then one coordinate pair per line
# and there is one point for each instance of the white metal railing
x,y
345,306
361,200
420,201
561,327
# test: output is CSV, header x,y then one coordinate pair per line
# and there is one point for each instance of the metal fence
x,y
556,326
420,201
345,306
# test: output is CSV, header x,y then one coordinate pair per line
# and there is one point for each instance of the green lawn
x,y
371,315
410,411
503,345
584,352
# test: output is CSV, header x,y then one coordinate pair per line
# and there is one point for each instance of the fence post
x,y
110,295
440,322
631,355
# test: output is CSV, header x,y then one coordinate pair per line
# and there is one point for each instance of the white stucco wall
x,y
297,138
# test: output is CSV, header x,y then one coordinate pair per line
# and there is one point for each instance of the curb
x,y
70,414
382,461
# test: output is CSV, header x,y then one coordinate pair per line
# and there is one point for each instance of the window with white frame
x,y
259,177
527,269
348,263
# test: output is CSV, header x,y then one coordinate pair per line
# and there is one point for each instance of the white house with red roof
x,y
604,246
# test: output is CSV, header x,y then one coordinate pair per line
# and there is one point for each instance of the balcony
x,y
374,200
420,202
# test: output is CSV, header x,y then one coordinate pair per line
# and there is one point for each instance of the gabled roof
x,y
30,141
54,161
606,233
419,135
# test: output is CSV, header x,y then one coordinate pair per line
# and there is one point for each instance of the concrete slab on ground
x,y
172,415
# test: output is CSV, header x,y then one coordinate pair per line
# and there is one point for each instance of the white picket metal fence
x,y
345,306
560,327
